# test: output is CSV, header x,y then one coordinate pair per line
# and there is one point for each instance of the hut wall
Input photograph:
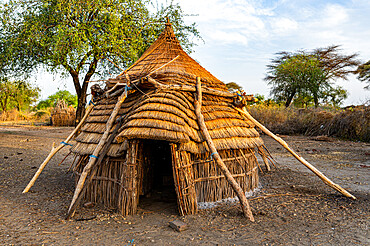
x,y
209,182
117,181
184,181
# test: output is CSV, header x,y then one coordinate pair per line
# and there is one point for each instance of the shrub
x,y
352,123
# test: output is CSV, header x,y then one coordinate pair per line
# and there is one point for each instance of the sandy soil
x,y
293,207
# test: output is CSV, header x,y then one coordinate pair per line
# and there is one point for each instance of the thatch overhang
x,y
169,115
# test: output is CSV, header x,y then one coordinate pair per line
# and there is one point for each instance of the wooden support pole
x,y
55,150
238,190
103,153
95,155
158,85
264,158
189,88
299,158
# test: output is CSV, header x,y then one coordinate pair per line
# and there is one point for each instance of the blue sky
x,y
241,37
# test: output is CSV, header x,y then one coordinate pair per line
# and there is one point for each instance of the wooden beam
x,y
299,158
189,88
56,150
103,153
238,190
96,153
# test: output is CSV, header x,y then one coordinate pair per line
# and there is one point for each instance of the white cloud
x,y
282,26
242,35
334,15
228,37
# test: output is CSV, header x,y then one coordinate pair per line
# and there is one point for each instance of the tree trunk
x,y
81,91
4,103
80,106
316,100
289,99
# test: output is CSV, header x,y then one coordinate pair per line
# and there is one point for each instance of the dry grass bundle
x,y
63,115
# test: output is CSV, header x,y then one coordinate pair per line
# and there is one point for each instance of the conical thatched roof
x,y
182,69
168,114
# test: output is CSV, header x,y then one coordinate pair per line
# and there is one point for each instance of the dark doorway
x,y
157,174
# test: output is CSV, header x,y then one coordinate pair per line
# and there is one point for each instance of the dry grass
x,y
352,123
15,116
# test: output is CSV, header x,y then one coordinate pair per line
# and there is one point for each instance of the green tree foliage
x,y
335,96
307,76
294,75
65,95
233,87
364,73
17,94
78,37
6,89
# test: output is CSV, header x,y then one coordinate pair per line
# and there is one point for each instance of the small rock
x,y
21,159
178,225
6,157
89,205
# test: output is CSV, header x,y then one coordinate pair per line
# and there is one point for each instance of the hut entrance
x,y
157,173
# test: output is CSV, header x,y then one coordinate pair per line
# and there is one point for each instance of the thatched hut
x,y
165,132
62,114
158,140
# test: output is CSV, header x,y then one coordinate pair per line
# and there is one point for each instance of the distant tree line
x,y
71,100
17,94
82,39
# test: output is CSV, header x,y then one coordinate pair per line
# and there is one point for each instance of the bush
x,y
352,123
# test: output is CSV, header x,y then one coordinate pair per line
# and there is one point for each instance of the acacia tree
x,y
294,74
308,74
77,38
364,73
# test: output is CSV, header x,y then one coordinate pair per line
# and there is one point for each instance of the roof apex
x,y
166,56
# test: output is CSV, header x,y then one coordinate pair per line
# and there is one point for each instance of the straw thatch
x,y
167,116
62,114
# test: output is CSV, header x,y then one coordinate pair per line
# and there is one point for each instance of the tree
x,y
233,87
364,73
25,94
335,96
65,95
307,74
294,74
17,94
6,89
78,38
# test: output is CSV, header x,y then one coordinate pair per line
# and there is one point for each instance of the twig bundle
x,y
63,115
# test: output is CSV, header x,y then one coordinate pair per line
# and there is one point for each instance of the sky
x,y
241,37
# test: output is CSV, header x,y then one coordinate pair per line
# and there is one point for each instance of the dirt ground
x,y
292,207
